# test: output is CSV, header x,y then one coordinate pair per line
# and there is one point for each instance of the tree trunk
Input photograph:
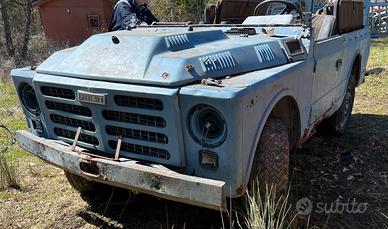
x,y
27,27
7,29
171,5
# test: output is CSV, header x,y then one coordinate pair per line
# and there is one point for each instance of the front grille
x,y
137,134
58,92
85,125
142,150
141,103
146,120
148,123
71,135
79,110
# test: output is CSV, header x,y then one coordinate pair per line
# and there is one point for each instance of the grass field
x,y
351,168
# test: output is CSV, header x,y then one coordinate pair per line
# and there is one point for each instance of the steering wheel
x,y
288,8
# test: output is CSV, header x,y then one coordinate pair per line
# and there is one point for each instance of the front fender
x,y
268,108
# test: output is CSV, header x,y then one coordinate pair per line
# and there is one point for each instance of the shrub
x,y
8,165
179,10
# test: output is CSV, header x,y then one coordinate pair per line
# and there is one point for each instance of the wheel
x,y
337,123
80,184
271,164
97,194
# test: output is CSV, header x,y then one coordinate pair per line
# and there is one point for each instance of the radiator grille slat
x,y
145,120
85,125
142,150
137,134
69,108
71,135
136,102
140,123
58,92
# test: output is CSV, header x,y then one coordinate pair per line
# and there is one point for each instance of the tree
x,y
7,29
16,16
179,10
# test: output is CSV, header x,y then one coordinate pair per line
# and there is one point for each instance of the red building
x,y
73,20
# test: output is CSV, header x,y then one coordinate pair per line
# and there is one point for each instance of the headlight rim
x,y
28,104
194,130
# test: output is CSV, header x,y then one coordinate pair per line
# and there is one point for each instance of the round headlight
x,y
207,126
29,100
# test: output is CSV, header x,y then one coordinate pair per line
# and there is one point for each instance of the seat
x,y
285,19
210,13
338,17
324,22
324,26
350,14
234,11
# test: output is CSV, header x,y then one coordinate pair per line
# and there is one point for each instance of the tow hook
x,y
90,168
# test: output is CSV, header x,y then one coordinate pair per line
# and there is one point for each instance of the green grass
x,y
379,54
11,119
10,111
371,97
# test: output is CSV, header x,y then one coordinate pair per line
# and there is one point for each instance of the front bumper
x,y
153,179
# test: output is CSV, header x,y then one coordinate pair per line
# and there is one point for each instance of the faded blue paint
x,y
256,72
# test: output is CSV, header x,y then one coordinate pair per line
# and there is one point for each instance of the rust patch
x,y
165,75
305,137
189,67
308,133
102,172
240,190
155,182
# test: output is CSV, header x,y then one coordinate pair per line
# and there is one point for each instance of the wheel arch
x,y
285,107
355,67
287,110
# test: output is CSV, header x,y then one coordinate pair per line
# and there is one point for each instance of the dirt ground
x,y
344,180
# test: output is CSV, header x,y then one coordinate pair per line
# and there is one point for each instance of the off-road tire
x,y
336,124
271,164
80,184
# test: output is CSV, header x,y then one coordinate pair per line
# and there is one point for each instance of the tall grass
x,y
8,164
385,220
11,115
266,210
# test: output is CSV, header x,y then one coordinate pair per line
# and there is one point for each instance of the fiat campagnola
x,y
196,112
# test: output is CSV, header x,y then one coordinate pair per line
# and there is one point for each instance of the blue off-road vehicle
x,y
195,113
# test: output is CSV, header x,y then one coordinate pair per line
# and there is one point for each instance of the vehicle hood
x,y
166,56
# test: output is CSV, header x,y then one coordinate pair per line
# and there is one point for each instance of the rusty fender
x,y
152,179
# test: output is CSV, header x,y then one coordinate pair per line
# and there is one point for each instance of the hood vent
x,y
265,53
178,42
218,62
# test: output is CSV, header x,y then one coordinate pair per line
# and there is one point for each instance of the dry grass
x,y
266,209
11,116
8,165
